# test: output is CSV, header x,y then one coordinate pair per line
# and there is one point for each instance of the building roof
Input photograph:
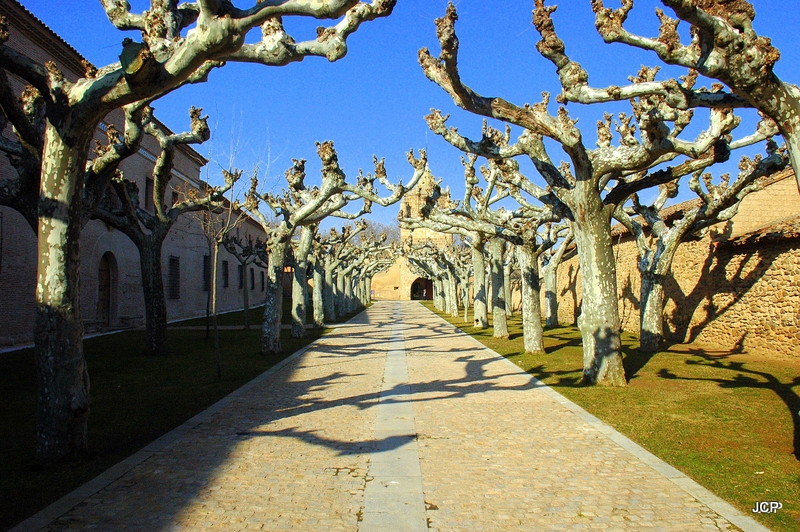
x,y
786,229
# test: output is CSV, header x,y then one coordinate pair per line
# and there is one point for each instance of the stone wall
x,y
725,296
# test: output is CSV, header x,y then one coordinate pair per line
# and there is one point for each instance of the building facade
x,y
399,282
111,287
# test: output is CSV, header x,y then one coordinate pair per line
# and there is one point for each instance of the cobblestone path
x,y
394,422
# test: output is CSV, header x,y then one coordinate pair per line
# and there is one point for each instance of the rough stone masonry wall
x,y
722,297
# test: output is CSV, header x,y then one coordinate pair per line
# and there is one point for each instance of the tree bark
x,y
531,306
465,296
500,324
217,351
479,297
63,380
155,304
273,303
245,297
507,287
551,296
651,312
329,294
599,319
452,285
341,300
300,281
318,295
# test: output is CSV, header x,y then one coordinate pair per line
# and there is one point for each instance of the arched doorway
x,y
422,288
107,289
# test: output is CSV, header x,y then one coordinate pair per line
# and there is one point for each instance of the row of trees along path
x,y
58,188
595,183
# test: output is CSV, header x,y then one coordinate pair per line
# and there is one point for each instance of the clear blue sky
x,y
373,101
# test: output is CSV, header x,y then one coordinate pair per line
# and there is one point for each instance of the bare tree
x,y
551,260
594,182
148,230
171,54
723,46
299,206
657,246
335,251
244,250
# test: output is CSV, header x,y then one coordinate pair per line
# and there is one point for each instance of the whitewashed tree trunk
x,y
531,306
464,286
479,297
494,247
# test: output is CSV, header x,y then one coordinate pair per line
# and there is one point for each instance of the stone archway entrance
x,y
107,289
421,288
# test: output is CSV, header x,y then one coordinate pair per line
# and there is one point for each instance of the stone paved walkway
x,y
396,421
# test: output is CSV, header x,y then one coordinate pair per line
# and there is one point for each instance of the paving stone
x,y
396,413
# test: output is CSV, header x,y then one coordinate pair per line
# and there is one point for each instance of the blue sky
x,y
373,101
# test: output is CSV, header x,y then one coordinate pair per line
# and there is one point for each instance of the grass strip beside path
x,y
727,420
135,399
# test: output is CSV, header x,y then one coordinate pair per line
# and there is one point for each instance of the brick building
x,y
111,293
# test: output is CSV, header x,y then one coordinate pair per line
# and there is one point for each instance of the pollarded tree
x,y
723,46
551,260
332,253
244,250
148,230
657,247
299,206
582,184
302,251
181,44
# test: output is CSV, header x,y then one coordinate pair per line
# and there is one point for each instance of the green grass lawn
x,y
135,399
729,421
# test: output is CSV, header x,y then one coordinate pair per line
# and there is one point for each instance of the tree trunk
x,y
245,297
273,304
341,301
551,296
155,303
531,306
299,290
479,297
452,293
599,319
500,325
651,312
465,296
349,303
317,295
507,287
217,353
300,281
62,377
329,294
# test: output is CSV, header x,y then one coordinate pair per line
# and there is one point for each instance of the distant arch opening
x,y
422,288
107,290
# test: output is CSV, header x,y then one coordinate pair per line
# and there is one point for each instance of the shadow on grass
x,y
745,377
